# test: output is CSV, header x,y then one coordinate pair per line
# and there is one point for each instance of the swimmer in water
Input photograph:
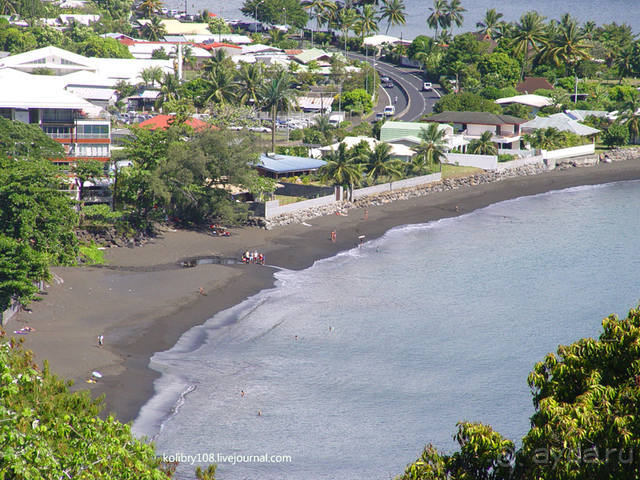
x,y
242,393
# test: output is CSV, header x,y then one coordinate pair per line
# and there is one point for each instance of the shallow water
x,y
359,361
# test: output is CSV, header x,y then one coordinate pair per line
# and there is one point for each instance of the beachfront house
x,y
505,129
534,102
560,121
276,166
408,133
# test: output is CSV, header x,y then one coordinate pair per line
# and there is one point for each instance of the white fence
x,y
578,151
388,187
5,316
517,153
273,208
521,162
486,162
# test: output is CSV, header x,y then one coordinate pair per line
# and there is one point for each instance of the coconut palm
x,y
625,63
528,34
394,12
342,169
432,147
250,77
545,138
437,18
169,86
150,7
218,59
367,23
276,94
315,8
453,13
381,165
151,76
276,36
346,20
490,23
567,46
221,85
154,30
483,145
631,118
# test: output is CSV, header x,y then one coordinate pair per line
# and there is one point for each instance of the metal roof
x,y
559,121
476,118
288,164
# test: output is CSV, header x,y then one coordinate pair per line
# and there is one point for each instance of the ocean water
x,y
359,361
417,11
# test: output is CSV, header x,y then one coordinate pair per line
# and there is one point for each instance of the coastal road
x,y
416,103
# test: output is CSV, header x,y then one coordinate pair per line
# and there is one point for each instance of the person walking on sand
x,y
100,340
366,214
333,236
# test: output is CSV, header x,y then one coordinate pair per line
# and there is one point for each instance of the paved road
x,y
418,102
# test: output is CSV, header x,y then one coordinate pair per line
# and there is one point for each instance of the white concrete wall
x,y
578,151
273,208
537,160
363,192
486,162
520,153
388,187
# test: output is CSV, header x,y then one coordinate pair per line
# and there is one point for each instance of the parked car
x,y
427,87
389,111
260,129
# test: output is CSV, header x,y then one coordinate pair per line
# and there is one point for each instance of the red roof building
x,y
163,122
531,84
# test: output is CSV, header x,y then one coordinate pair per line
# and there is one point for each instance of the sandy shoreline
x,y
143,300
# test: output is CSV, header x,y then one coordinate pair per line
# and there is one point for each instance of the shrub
x,y
296,135
616,135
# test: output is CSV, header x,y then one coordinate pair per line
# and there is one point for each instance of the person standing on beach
x,y
100,340
333,236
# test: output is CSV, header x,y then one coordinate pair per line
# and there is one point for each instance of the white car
x,y
427,87
389,111
260,129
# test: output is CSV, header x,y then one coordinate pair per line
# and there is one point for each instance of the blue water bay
x,y
359,361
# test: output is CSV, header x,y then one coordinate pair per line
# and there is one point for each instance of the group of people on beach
x,y
219,230
253,257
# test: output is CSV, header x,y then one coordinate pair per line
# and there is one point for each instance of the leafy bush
x,y
91,254
616,135
357,100
465,102
296,135
295,150
505,157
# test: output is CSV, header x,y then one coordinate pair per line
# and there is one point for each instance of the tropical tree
x,y
394,12
154,30
431,149
342,169
221,85
250,77
150,7
631,118
567,46
490,23
367,23
151,75
483,145
347,18
545,138
169,89
453,13
218,59
323,126
315,8
276,94
437,17
625,63
87,171
381,165
7,7
529,34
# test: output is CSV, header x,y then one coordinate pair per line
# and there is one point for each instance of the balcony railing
x,y
88,136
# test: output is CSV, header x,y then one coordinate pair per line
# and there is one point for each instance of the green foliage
x,y
96,46
551,139
465,102
87,171
218,25
499,70
616,135
159,54
90,254
15,40
36,211
505,157
464,50
20,267
296,135
19,140
518,110
259,185
47,432
483,145
357,101
273,11
295,150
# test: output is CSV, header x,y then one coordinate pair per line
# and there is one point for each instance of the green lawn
x,y
452,171
286,199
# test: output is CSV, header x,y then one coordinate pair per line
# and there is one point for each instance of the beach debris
x,y
96,374
306,224
91,380
24,331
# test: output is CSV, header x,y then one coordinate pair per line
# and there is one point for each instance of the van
x,y
389,111
335,119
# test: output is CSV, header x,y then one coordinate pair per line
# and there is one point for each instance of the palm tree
x,y
342,169
276,36
7,7
221,86
346,19
483,145
393,11
154,30
631,119
568,46
545,138
529,34
432,147
150,7
490,23
250,78
151,75
368,21
380,163
438,14
315,7
218,59
453,13
323,126
169,86
276,94
625,63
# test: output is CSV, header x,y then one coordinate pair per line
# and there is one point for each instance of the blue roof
x,y
288,163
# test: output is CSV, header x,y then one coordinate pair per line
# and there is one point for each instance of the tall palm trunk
x,y
274,113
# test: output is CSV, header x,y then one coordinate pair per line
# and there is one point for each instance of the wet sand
x,y
143,300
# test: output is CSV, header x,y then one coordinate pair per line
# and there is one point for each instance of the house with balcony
x,y
82,128
505,129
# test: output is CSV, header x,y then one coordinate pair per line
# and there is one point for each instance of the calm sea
x,y
599,11
359,361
